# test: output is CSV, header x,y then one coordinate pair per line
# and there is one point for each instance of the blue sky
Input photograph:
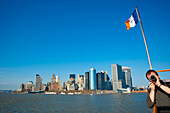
x,y
72,36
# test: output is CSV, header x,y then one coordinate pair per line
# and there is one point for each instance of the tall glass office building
x,y
118,78
86,82
72,78
92,76
128,77
100,81
38,83
57,77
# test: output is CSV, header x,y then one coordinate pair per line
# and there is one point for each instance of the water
x,y
109,103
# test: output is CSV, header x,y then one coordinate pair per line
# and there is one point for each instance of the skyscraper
x,y
118,77
64,85
106,77
54,85
128,77
71,84
80,82
92,76
30,85
87,80
22,87
57,77
107,81
38,83
72,78
53,79
100,81
59,83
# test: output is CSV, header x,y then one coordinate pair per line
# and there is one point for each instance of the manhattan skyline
x,y
64,37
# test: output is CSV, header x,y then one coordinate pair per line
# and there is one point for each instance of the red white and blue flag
x,y
132,21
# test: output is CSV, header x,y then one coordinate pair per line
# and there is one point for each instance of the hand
x,y
152,86
157,81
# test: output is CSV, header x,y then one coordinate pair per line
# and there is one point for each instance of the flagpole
x,y
144,38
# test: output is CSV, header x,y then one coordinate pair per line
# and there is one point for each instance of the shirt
x,y
162,99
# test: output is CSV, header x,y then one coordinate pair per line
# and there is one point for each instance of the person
x,y
158,93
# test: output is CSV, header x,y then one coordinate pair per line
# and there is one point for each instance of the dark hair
x,y
149,72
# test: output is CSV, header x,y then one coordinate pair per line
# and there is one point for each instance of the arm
x,y
163,87
151,95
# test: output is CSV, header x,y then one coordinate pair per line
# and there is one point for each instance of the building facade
x,y
57,77
54,85
100,77
72,78
107,82
30,86
38,83
92,76
87,83
71,84
80,82
128,77
118,78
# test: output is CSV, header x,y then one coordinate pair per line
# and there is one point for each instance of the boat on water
x,y
142,91
51,93
35,92
77,93
123,90
62,93
70,93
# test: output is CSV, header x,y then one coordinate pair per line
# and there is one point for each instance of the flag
x,y
132,21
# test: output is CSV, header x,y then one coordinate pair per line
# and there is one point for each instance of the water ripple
x,y
111,103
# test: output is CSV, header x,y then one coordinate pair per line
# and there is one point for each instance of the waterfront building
x,y
71,87
102,71
64,86
107,78
53,79
49,86
30,82
29,86
25,87
22,87
72,78
118,77
107,81
100,81
57,77
72,83
109,85
84,83
92,76
87,83
55,86
38,83
59,84
53,83
44,87
128,77
80,82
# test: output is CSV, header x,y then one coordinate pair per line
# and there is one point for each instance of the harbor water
x,y
107,103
